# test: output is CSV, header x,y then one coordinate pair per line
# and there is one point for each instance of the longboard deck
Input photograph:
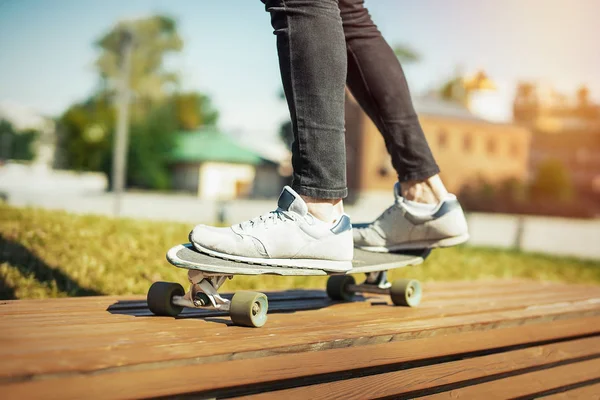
x,y
186,256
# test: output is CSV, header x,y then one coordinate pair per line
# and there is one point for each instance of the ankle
x,y
428,191
326,210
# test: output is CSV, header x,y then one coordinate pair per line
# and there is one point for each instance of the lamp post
x,y
121,139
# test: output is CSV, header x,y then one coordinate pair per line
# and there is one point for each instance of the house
x,y
466,147
215,166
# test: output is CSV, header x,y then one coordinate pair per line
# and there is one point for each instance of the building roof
x,y
434,106
209,144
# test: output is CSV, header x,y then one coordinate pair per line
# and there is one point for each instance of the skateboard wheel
x,y
160,298
337,287
406,292
249,309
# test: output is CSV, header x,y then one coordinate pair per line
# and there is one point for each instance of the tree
x,y
154,37
552,181
152,141
405,54
583,97
194,110
459,89
286,134
526,92
85,132
526,102
14,144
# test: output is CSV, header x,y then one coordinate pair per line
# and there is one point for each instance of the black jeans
x,y
324,45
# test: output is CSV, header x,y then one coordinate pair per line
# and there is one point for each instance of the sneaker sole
x,y
422,244
324,265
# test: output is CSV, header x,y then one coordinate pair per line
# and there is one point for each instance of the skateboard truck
x,y
203,292
377,278
245,308
403,292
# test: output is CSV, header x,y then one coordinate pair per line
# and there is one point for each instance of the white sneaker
x,y
288,237
405,226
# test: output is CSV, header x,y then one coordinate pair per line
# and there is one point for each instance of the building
x,y
564,129
467,148
213,165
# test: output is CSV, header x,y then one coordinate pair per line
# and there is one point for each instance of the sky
x,y
47,53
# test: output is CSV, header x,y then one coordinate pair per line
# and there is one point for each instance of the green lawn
x,y
56,254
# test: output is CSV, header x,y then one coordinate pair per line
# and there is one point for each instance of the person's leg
x,y
423,214
312,61
308,229
377,81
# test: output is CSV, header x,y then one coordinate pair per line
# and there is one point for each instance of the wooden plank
x,y
244,343
59,325
70,334
188,376
413,382
461,284
431,290
464,289
176,335
591,392
100,304
21,326
529,384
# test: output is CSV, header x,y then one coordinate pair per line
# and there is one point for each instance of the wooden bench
x,y
500,339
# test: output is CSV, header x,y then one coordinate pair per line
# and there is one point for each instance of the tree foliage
x,y
194,110
153,39
15,144
552,181
87,129
459,89
152,141
87,132
406,54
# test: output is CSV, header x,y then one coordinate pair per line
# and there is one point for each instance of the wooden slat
x,y
591,392
408,383
79,323
76,343
509,288
238,342
528,385
356,312
102,303
432,290
162,379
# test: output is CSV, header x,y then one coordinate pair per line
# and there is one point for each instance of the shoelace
x,y
273,217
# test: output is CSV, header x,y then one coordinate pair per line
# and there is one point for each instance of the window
x,y
442,139
514,149
384,171
468,142
491,146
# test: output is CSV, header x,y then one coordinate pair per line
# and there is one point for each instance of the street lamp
x,y
121,139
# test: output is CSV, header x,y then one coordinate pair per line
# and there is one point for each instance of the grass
x,y
56,254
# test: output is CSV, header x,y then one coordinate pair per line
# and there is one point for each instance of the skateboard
x,y
207,274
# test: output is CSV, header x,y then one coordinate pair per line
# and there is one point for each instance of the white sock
x,y
419,208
